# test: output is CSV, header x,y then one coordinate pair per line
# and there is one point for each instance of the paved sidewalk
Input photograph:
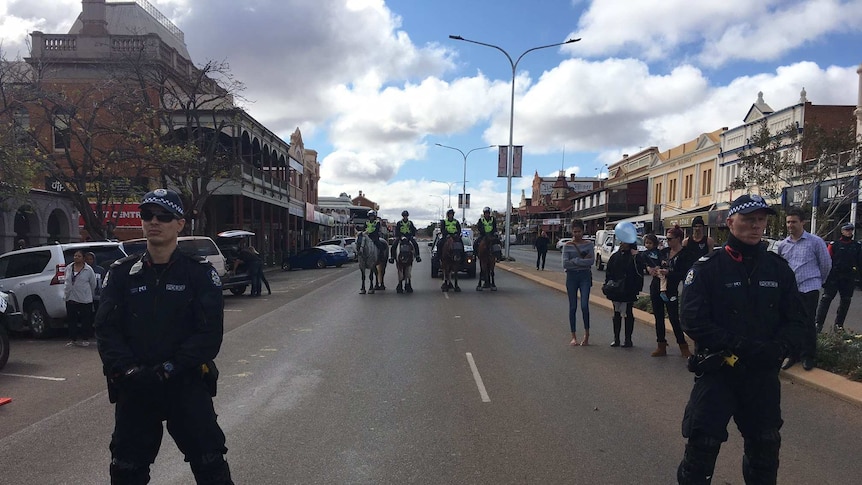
x,y
819,379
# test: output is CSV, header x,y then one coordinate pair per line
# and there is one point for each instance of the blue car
x,y
317,257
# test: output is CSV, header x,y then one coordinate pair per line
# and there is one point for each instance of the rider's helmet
x,y
404,213
486,210
372,213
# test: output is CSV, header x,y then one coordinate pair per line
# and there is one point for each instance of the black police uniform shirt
x,y
728,302
150,314
846,255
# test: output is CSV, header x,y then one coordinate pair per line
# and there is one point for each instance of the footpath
x,y
836,385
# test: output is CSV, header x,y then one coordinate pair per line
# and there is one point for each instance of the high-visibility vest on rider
x,y
451,226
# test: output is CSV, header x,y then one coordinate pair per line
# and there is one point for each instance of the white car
x,y
562,242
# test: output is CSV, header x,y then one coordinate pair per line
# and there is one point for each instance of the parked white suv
x,y
198,245
36,276
348,243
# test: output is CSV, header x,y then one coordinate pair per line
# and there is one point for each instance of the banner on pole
x,y
502,160
517,160
463,201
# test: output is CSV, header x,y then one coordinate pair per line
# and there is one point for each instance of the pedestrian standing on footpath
x,y
809,259
541,246
78,289
846,265
741,306
698,243
578,257
673,266
623,281
159,327
90,259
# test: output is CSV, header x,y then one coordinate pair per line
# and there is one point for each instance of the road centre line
x,y
478,378
34,377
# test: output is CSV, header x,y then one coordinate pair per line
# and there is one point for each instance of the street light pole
x,y
441,203
464,180
511,154
450,189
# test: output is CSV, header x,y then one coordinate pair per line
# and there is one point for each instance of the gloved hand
x,y
163,371
137,375
768,353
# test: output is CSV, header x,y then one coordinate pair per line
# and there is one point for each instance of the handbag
x,y
614,288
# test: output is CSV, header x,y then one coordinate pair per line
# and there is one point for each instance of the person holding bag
x,y
623,282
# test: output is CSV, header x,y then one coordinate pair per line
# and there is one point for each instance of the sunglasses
x,y
147,215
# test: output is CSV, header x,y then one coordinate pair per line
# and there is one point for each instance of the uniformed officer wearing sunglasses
x,y
159,327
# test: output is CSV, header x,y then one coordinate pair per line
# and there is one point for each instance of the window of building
x,y
706,182
657,195
688,186
671,190
62,130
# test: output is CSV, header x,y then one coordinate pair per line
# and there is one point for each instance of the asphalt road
x,y
321,385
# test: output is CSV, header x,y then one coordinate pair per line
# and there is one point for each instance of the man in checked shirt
x,y
810,261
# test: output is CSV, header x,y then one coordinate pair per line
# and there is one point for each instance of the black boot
x,y
697,465
618,323
630,327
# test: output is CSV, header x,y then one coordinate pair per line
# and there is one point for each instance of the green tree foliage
x,y
803,160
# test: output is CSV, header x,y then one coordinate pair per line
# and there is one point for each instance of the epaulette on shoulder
x,y
127,259
194,257
709,256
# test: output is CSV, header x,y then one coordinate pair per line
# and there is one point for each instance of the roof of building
x,y
139,17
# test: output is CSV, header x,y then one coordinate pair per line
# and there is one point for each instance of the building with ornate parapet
x,y
271,187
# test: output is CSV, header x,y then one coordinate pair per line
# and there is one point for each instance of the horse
x,y
486,253
382,255
368,256
450,263
404,264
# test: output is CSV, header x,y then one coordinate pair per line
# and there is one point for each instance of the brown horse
x,y
404,264
488,246
450,263
382,252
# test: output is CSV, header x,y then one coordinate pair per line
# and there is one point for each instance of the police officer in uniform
x,y
742,307
449,227
846,263
404,229
159,327
487,225
374,231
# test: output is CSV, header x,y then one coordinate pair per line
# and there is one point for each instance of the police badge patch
x,y
689,277
215,278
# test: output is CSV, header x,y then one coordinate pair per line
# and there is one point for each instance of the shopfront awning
x,y
684,219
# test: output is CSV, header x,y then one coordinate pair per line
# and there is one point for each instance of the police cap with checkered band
x,y
749,203
167,199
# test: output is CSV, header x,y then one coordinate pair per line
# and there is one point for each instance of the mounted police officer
x,y
374,230
487,225
742,307
451,228
404,229
159,327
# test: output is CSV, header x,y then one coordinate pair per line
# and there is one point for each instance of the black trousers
x,y
809,303
185,404
79,318
752,397
842,286
540,257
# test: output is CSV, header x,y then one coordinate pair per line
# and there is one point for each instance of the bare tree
x,y
89,133
20,159
190,146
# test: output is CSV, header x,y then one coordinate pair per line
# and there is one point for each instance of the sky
x,y
375,85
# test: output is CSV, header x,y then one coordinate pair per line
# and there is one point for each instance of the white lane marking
x,y
478,378
34,377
